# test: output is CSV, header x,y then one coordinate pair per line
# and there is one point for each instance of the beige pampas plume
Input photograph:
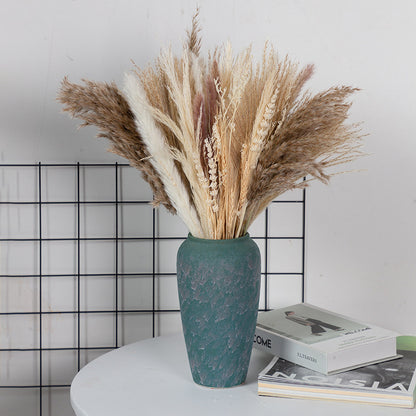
x,y
178,79
161,156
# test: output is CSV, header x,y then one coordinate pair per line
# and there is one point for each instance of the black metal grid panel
x,y
265,236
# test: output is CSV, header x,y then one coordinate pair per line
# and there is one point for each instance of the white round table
x,y
152,377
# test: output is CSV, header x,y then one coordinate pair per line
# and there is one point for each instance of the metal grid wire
x,y
41,203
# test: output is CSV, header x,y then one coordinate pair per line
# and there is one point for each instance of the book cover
x,y
322,340
391,383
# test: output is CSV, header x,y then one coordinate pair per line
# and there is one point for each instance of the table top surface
x,y
154,376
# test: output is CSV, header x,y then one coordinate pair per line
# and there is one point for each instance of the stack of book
x,y
322,355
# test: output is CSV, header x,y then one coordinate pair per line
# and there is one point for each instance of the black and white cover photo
x,y
310,325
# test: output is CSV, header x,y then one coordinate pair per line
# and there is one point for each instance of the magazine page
x,y
396,376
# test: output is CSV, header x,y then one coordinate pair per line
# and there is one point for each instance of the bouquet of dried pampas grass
x,y
219,139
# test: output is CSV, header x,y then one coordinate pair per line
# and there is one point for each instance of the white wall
x,y
361,233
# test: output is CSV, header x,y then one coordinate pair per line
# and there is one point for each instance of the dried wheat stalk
x,y
219,139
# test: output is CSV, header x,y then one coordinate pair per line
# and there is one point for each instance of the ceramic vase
x,y
218,285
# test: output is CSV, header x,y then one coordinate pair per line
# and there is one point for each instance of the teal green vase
x,y
219,286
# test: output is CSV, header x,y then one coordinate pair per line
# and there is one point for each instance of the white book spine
x,y
290,350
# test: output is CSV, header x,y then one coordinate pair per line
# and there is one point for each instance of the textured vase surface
x,y
219,286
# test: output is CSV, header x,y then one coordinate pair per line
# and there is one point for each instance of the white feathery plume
x,y
162,158
181,94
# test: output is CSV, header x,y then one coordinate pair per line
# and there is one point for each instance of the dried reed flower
x,y
219,139
103,105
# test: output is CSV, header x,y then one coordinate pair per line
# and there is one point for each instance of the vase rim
x,y
246,236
